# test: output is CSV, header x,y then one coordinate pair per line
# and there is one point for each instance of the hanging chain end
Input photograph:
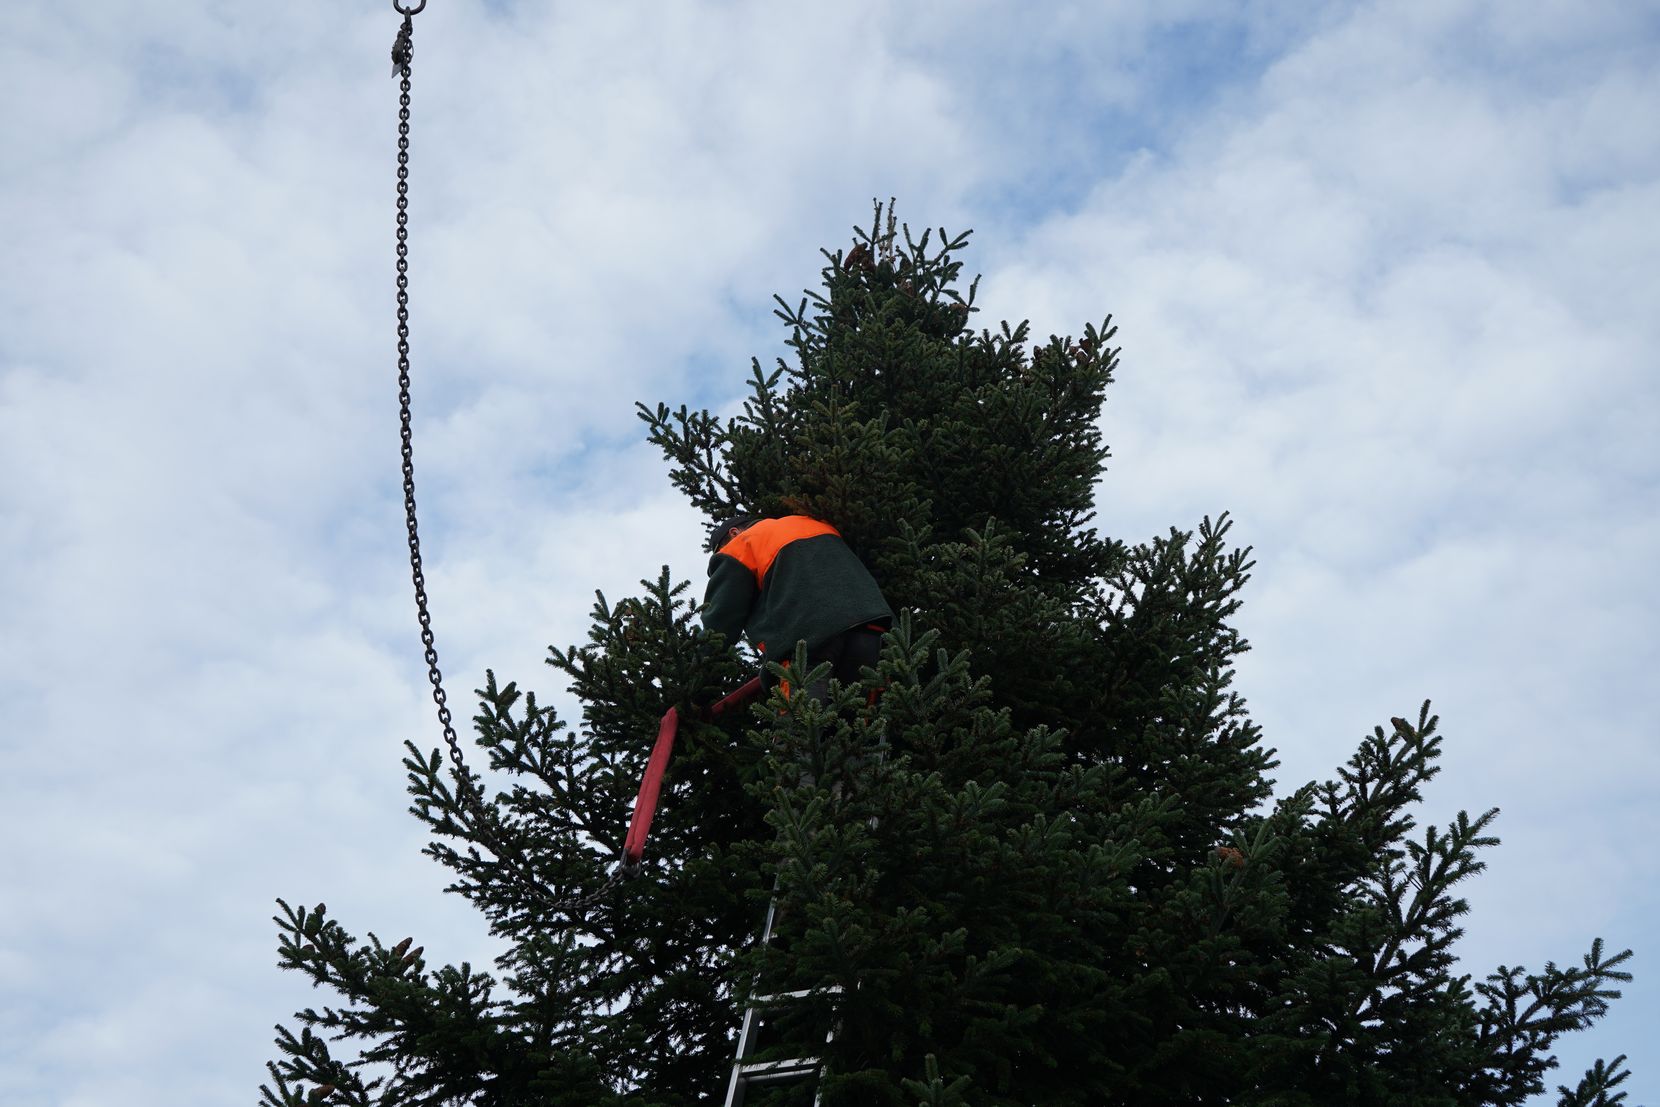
x,y
403,50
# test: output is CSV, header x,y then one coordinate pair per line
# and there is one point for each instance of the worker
x,y
791,579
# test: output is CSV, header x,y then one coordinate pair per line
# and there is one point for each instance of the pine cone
x,y
398,950
1231,855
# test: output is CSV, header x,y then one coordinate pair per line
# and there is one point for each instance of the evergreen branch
x,y
1526,1012
1596,1088
392,1004
933,1091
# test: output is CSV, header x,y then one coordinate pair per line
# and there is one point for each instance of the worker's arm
x,y
729,597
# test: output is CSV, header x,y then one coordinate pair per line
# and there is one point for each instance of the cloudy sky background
x,y
1386,281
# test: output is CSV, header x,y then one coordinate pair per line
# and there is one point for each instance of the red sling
x,y
645,804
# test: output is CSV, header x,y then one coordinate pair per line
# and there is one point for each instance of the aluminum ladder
x,y
747,1073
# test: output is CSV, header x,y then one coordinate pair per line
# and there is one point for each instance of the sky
x,y
1385,282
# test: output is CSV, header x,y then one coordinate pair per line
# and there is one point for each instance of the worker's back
x,y
789,580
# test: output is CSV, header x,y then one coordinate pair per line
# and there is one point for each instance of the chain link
x,y
510,858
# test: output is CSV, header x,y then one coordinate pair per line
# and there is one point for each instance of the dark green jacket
x,y
790,580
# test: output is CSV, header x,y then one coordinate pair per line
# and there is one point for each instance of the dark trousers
x,y
848,652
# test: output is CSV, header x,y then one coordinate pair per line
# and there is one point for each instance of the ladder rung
x,y
765,1072
776,999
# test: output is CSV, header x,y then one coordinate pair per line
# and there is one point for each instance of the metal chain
x,y
403,57
579,905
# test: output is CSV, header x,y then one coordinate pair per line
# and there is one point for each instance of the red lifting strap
x,y
645,804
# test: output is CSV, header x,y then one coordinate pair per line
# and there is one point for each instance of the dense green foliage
x,y
1044,866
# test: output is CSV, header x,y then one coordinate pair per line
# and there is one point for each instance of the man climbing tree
x,y
1067,881
790,581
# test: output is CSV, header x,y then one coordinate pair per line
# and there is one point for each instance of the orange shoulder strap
x,y
757,547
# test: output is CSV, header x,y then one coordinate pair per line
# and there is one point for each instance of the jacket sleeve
x,y
730,596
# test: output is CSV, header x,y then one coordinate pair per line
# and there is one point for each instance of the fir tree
x,y
1043,865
